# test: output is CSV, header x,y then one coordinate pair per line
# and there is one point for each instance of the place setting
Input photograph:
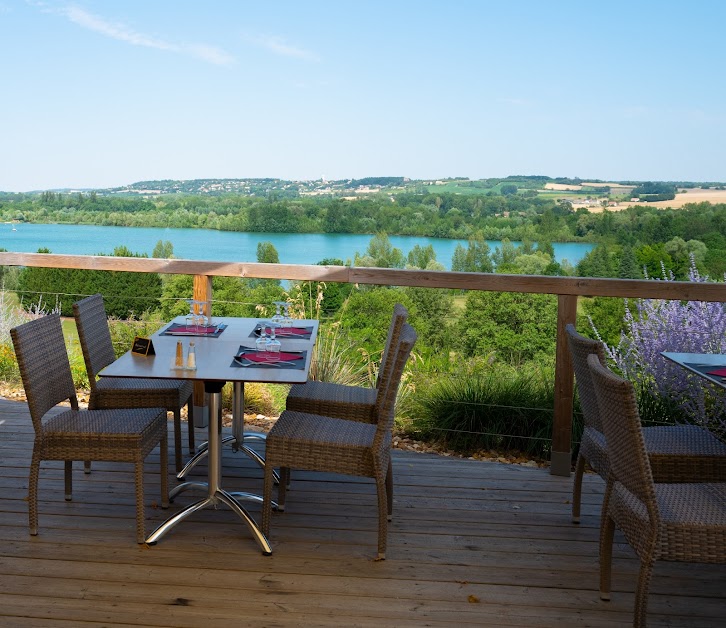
x,y
196,323
283,324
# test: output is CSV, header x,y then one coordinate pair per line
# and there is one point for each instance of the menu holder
x,y
142,346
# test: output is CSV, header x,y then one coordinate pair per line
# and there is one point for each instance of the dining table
x,y
710,366
225,351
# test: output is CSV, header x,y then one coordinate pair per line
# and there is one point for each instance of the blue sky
x,y
104,93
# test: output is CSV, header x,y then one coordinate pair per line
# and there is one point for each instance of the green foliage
x,y
607,315
421,256
501,408
380,254
125,293
232,296
8,364
475,258
655,191
163,250
433,317
267,253
515,327
366,316
338,359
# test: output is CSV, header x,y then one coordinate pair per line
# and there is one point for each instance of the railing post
x,y
561,459
202,291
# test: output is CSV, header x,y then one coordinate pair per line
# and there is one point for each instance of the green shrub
x,y
8,365
499,408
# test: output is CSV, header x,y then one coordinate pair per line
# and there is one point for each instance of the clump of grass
x,y
336,359
123,331
258,399
502,408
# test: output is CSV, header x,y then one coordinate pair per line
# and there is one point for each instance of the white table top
x,y
700,364
214,356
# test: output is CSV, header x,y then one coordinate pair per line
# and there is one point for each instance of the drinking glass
x,y
273,344
277,318
261,340
190,319
202,319
286,319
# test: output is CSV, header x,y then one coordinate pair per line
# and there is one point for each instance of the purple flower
x,y
678,326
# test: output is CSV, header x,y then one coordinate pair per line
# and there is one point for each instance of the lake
x,y
205,244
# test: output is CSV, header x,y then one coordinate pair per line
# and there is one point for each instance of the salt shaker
x,y
192,357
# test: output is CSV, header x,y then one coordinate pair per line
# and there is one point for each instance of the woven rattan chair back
x,y
386,403
94,335
628,458
580,349
44,366
400,315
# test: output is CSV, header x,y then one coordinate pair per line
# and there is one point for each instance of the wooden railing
x,y
567,289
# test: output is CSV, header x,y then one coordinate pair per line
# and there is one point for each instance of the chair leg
x,y
267,498
68,473
606,555
164,463
139,481
177,440
282,487
641,593
389,489
577,488
190,425
33,494
382,515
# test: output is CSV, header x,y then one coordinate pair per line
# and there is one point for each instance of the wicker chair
x,y
110,435
676,522
308,441
678,453
121,392
354,403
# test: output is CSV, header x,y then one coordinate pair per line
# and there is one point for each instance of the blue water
x,y
205,244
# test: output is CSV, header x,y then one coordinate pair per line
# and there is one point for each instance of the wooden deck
x,y
472,543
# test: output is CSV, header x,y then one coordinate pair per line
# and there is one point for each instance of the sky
x,y
104,93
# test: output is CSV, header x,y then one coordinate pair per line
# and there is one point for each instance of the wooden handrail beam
x,y
567,289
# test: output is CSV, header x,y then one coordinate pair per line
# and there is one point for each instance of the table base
x,y
219,496
215,493
237,439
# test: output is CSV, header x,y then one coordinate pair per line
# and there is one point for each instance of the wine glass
x,y
277,318
286,319
201,317
261,340
273,344
190,318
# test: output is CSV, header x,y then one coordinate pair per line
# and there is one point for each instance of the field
x,y
684,197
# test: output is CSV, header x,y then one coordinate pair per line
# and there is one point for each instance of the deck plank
x,y
472,543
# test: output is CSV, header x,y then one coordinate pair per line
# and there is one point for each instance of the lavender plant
x,y
664,388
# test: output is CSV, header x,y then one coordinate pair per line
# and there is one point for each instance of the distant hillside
x,y
527,185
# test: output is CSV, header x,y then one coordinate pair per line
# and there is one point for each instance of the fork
x,y
245,362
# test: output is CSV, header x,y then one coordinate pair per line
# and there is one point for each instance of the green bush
x,y
499,408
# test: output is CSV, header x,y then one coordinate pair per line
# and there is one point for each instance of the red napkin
x,y
183,329
719,372
289,331
268,357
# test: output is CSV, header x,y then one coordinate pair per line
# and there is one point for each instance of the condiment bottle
x,y
179,355
192,357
